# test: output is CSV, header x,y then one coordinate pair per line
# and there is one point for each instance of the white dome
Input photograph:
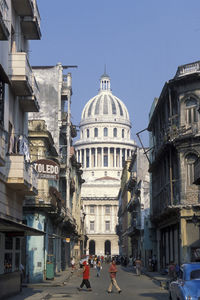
x,y
105,106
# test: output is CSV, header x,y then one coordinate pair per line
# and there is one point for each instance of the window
x,y
92,225
105,131
107,225
88,133
95,132
190,159
11,254
191,110
92,209
107,209
122,133
115,132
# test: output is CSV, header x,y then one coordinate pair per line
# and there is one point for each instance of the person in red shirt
x,y
86,276
113,273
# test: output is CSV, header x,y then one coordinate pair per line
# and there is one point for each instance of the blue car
x,y
187,285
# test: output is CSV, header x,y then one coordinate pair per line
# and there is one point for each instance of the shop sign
x,y
47,169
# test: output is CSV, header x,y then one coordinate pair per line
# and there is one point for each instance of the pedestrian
x,y
86,276
138,265
154,263
172,271
113,272
98,267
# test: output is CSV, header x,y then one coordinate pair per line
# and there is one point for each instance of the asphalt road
x,y
132,286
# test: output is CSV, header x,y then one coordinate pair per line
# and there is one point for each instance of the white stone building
x,y
104,145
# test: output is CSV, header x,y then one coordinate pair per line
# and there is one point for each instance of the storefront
x,y
12,235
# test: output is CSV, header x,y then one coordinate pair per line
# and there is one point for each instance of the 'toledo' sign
x,y
47,169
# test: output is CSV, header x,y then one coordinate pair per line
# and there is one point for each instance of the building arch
x,y
92,247
107,247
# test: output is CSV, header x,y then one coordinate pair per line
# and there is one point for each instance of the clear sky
x,y
142,42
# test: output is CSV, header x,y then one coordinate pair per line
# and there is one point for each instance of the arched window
x,y
95,132
107,247
115,132
191,110
190,159
105,131
88,133
92,247
122,133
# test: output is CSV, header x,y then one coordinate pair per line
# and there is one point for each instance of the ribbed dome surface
x,y
105,104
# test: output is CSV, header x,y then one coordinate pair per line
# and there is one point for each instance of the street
x,y
131,285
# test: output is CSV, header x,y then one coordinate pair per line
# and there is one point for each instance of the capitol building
x,y
103,146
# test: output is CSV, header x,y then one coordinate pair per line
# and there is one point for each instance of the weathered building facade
x,y
55,109
134,207
174,127
18,95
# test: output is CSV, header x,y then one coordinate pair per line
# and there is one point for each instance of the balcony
x,y
18,173
23,7
20,74
4,32
30,24
2,147
30,103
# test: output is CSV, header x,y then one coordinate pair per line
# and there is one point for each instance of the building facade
x,y
103,147
174,127
19,23
134,208
55,109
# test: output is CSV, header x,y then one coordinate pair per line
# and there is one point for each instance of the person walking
x,y
86,276
138,265
98,267
113,272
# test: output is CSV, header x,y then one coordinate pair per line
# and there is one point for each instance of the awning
x,y
12,228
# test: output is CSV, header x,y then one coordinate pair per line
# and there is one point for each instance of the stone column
x,y
85,158
120,157
109,157
125,154
95,157
115,157
90,157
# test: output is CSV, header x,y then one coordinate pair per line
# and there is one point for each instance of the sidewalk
x,y
60,279
38,291
161,279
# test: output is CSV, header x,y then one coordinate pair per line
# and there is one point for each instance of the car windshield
x,y
195,274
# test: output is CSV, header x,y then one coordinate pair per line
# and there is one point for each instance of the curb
x,y
162,282
47,284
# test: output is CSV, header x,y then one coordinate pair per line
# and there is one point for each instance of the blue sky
x,y
142,42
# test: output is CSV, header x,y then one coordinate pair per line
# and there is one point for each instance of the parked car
x,y
187,285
